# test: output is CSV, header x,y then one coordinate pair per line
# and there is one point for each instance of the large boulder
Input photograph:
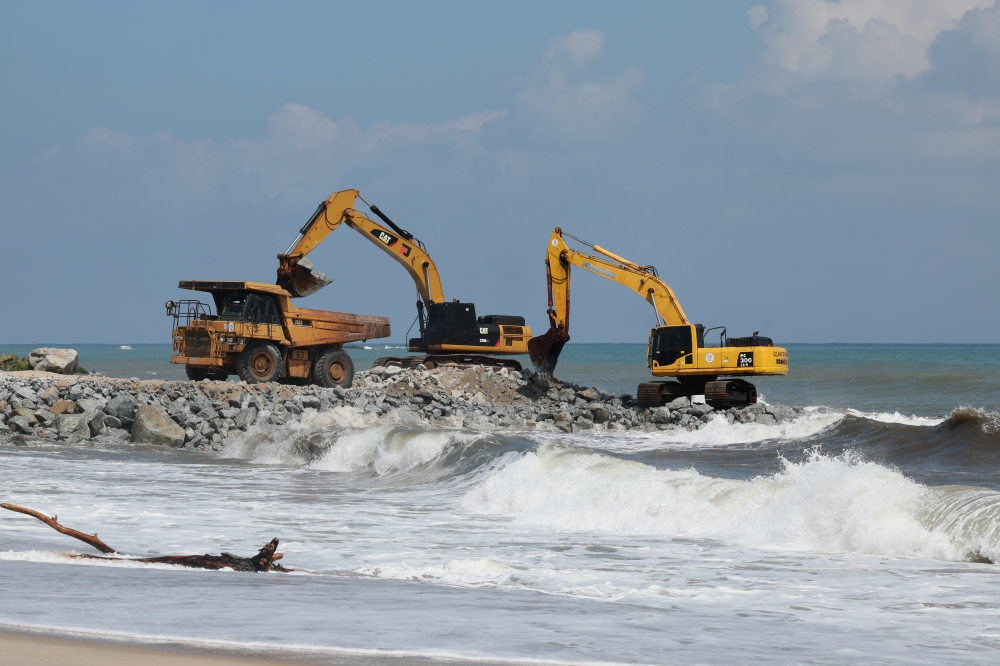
x,y
72,425
51,359
660,415
152,425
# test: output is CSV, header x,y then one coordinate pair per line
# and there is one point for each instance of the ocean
x,y
866,530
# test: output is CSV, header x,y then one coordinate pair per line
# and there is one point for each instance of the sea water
x,y
866,530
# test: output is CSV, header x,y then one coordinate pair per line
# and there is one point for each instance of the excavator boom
x,y
449,331
298,276
544,350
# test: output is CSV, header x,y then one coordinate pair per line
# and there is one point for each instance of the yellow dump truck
x,y
257,333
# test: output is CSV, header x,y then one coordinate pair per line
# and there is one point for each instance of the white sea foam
x,y
823,504
896,417
717,432
387,449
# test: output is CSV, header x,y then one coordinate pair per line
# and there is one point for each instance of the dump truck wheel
x,y
260,362
334,367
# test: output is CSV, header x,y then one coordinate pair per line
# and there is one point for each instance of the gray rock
x,y
700,410
685,419
392,370
75,392
245,418
94,420
660,415
152,425
311,401
21,424
26,393
72,425
563,417
126,412
589,394
51,359
87,404
766,419
112,422
679,403
45,417
584,423
228,412
781,413
565,426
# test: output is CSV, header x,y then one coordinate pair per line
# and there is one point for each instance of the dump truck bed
x,y
216,340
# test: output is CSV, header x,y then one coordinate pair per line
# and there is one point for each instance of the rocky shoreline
x,y
208,414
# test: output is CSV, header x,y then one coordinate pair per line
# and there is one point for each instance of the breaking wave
x,y
833,504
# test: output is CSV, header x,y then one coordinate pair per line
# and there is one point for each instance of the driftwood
x,y
263,561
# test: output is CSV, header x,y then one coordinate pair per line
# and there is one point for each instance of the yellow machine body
x,y
676,346
213,342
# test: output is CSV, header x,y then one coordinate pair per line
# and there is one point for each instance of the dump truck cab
x,y
251,329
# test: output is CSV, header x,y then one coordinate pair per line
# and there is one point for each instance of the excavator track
x,y
721,394
726,393
431,361
655,394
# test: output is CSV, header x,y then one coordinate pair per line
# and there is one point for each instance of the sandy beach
x,y
21,649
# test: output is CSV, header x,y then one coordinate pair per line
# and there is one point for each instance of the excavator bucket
x,y
302,279
544,351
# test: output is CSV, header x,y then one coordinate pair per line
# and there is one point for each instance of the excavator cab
x,y
455,327
668,344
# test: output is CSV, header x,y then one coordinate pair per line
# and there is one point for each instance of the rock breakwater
x,y
207,414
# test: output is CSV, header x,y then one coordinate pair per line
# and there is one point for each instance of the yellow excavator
x,y
676,346
450,331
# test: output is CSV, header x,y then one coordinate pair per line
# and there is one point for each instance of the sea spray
x,y
821,504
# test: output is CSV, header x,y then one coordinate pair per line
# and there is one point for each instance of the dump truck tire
x,y
260,362
334,367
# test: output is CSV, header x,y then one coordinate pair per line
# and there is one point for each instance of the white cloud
x,y
871,42
567,101
301,156
757,15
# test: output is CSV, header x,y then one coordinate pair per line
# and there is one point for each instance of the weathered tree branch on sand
x,y
265,560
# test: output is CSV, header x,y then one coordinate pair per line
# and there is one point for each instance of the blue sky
x,y
819,171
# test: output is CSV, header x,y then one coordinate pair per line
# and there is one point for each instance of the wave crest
x,y
822,504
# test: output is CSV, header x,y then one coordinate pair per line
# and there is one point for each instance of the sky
x,y
817,171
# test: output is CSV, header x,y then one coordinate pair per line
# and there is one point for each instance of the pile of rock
x,y
205,414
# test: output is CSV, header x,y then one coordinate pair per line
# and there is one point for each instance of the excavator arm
x,y
545,349
297,275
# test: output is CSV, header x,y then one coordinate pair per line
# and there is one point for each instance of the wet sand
x,y
22,649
